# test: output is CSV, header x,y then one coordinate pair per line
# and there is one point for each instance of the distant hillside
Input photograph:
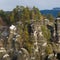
x,y
54,11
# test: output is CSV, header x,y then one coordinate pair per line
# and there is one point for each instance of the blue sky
x,y
41,4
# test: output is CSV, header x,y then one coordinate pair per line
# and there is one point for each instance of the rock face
x,y
39,41
57,25
42,48
3,54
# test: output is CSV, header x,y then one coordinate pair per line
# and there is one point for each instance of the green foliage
x,y
46,32
2,13
26,14
12,18
4,17
58,14
21,13
50,17
28,46
24,35
49,49
35,14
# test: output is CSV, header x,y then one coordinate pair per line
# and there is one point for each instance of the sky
x,y
8,5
